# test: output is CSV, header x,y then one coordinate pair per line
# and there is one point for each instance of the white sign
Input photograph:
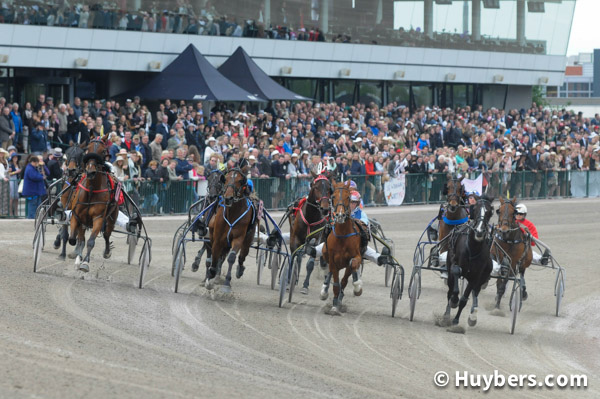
x,y
473,186
200,96
394,190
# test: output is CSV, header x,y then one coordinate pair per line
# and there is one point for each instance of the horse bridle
x,y
216,186
333,207
238,192
454,195
506,220
325,192
96,142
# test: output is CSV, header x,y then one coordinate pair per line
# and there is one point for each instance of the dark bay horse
x,y
232,228
469,257
93,206
514,242
452,214
215,180
310,215
342,248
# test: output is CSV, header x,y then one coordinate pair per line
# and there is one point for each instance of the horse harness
x,y
525,238
239,194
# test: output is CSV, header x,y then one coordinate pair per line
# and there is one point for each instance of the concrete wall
x,y
58,47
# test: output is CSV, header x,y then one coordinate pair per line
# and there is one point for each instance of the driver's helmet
x,y
521,208
355,196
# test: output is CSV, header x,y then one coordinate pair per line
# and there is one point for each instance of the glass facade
x,y
521,26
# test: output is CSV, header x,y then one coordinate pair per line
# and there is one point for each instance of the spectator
x,y
7,128
34,189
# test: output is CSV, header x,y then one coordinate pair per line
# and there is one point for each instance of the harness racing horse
x,y
451,215
310,214
469,257
93,206
342,248
74,167
215,181
232,228
513,242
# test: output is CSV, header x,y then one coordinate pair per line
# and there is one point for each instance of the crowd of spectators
x,y
205,19
285,142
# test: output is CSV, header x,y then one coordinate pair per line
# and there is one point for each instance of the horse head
x,y
216,180
340,200
507,221
74,159
454,192
236,185
481,213
94,163
320,193
97,146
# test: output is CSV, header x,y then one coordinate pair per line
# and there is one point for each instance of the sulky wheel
x,y
413,293
274,259
261,261
145,257
132,240
295,275
515,304
178,234
559,290
178,261
37,246
388,273
395,293
283,280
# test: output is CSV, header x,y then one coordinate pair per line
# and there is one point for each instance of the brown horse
x,y
74,168
515,243
342,248
93,206
232,228
310,214
452,214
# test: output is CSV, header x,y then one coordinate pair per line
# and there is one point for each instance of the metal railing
x,y
175,197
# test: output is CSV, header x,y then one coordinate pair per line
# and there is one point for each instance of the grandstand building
x,y
432,52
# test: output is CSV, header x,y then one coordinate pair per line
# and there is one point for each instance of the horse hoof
x,y
343,308
304,290
453,304
473,318
84,267
334,311
72,242
72,255
209,284
77,260
324,295
62,257
195,266
107,255
226,289
240,271
525,296
357,288
56,244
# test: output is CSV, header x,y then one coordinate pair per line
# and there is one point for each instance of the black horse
x,y
469,257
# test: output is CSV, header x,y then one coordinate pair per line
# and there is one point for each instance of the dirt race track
x,y
64,336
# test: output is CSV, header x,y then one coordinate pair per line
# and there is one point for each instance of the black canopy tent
x,y
191,77
243,71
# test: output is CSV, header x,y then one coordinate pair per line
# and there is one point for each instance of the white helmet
x,y
521,208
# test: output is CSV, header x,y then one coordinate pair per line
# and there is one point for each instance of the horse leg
x,y
456,271
244,250
212,262
78,253
198,258
473,316
335,311
58,239
97,226
74,229
107,232
63,237
356,281
500,289
325,288
462,303
524,295
310,266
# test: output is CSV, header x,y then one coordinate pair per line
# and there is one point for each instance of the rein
x,y
249,205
